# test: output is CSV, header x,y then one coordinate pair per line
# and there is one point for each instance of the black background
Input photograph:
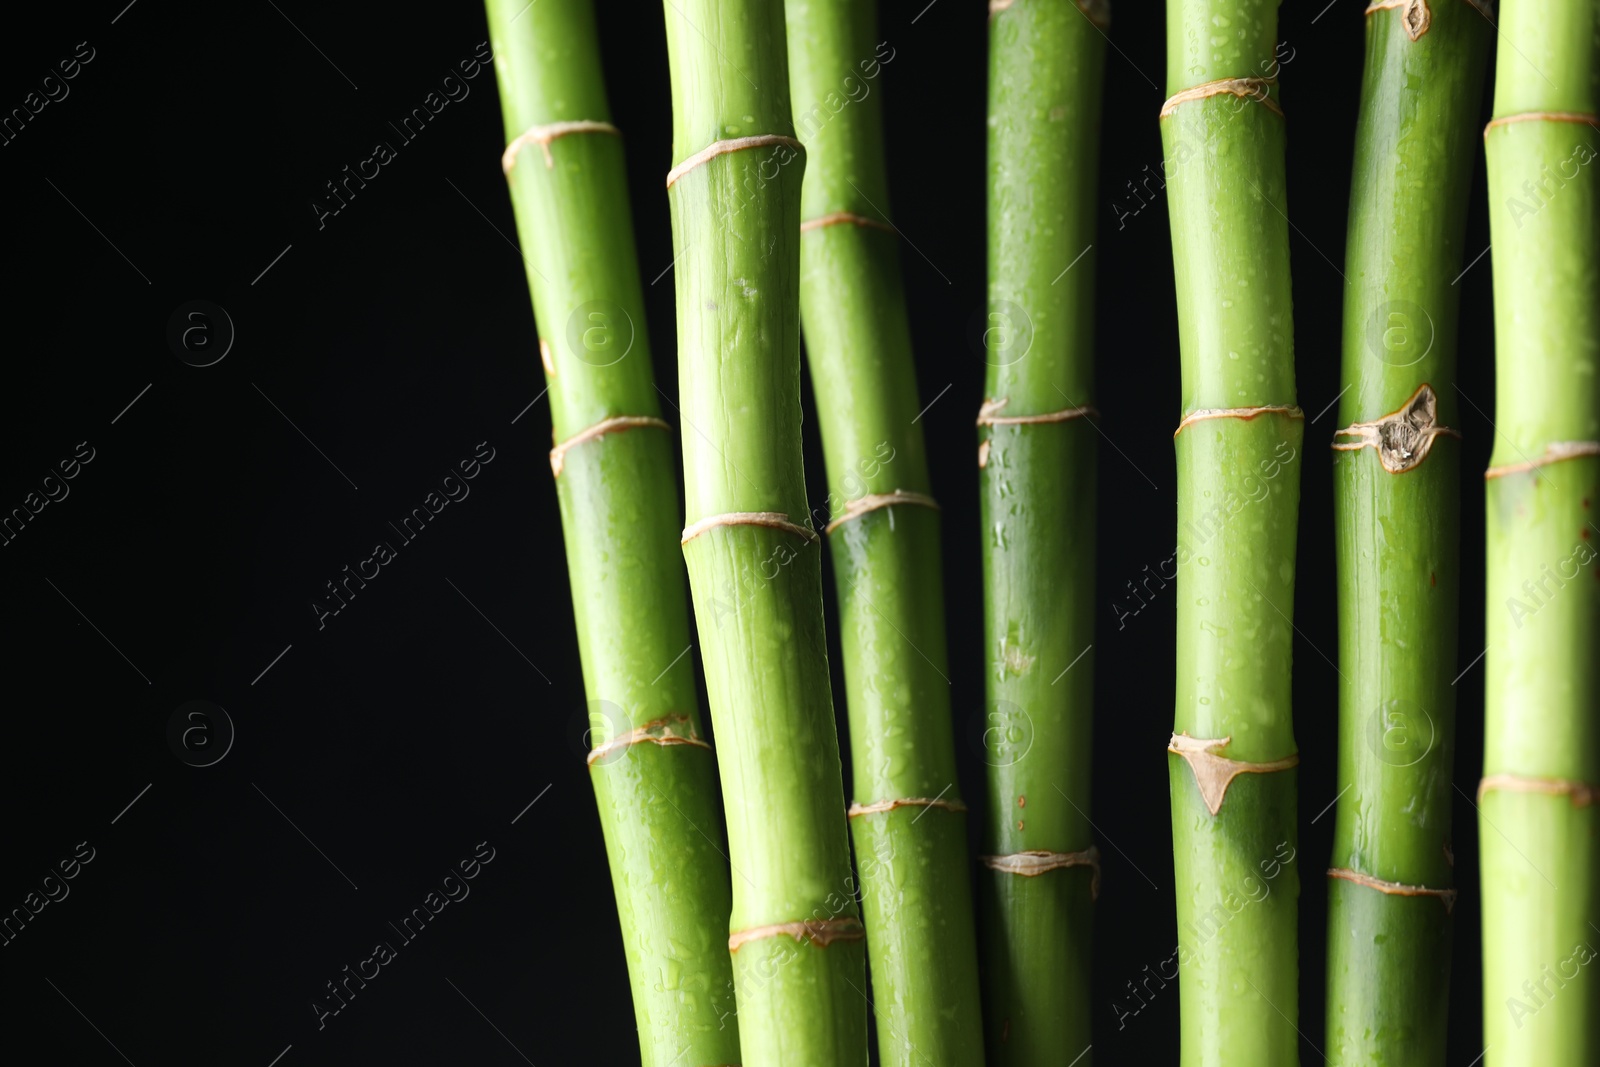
x,y
429,713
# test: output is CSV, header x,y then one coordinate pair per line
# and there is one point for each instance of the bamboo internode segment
x,y
1582,794
615,424
1580,117
843,217
663,731
820,932
1214,772
1290,410
987,414
777,520
735,144
1554,452
1097,12
543,135
1248,88
874,501
1035,862
879,806
1404,437
1447,897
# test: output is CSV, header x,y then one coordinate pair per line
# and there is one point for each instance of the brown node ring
x,y
1214,772
1581,794
988,414
844,217
1246,88
1401,438
1288,410
776,520
1416,17
543,135
734,144
879,806
874,501
819,932
1581,117
615,424
1554,452
1447,897
1035,862
662,731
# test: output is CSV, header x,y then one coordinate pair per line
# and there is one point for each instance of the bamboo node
x,y
668,730
1581,117
1554,452
1246,88
1214,772
988,415
543,135
820,932
1447,897
615,424
1581,794
1401,438
1289,410
1033,863
841,217
873,501
777,520
735,144
879,806
1416,17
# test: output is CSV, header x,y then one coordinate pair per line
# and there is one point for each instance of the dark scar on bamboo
x,y
988,415
1214,772
1256,89
879,806
1035,862
1098,12
662,731
874,501
819,932
1554,452
1447,897
543,135
1402,438
734,144
775,520
1581,794
615,424
1246,414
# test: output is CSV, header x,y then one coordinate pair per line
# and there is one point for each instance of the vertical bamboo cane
x,y
1036,459
907,820
1233,749
1537,817
754,562
1397,515
653,777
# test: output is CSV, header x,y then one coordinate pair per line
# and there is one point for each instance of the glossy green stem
x,y
658,801
1036,484
916,900
758,588
1238,497
1537,817
1397,532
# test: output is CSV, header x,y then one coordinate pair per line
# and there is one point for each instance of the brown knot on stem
x,y
1214,772
543,135
615,424
734,144
668,730
1554,452
820,932
1033,863
873,501
879,806
1401,438
1447,897
1289,411
1581,794
1257,89
776,520
1414,16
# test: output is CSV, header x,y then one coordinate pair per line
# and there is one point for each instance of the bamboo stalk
x,y
907,821
654,779
1539,850
1233,751
1397,522
754,564
1036,459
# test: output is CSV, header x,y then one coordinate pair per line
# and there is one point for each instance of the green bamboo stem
x,y
654,780
1538,830
907,821
1397,522
754,562
1238,494
1036,459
